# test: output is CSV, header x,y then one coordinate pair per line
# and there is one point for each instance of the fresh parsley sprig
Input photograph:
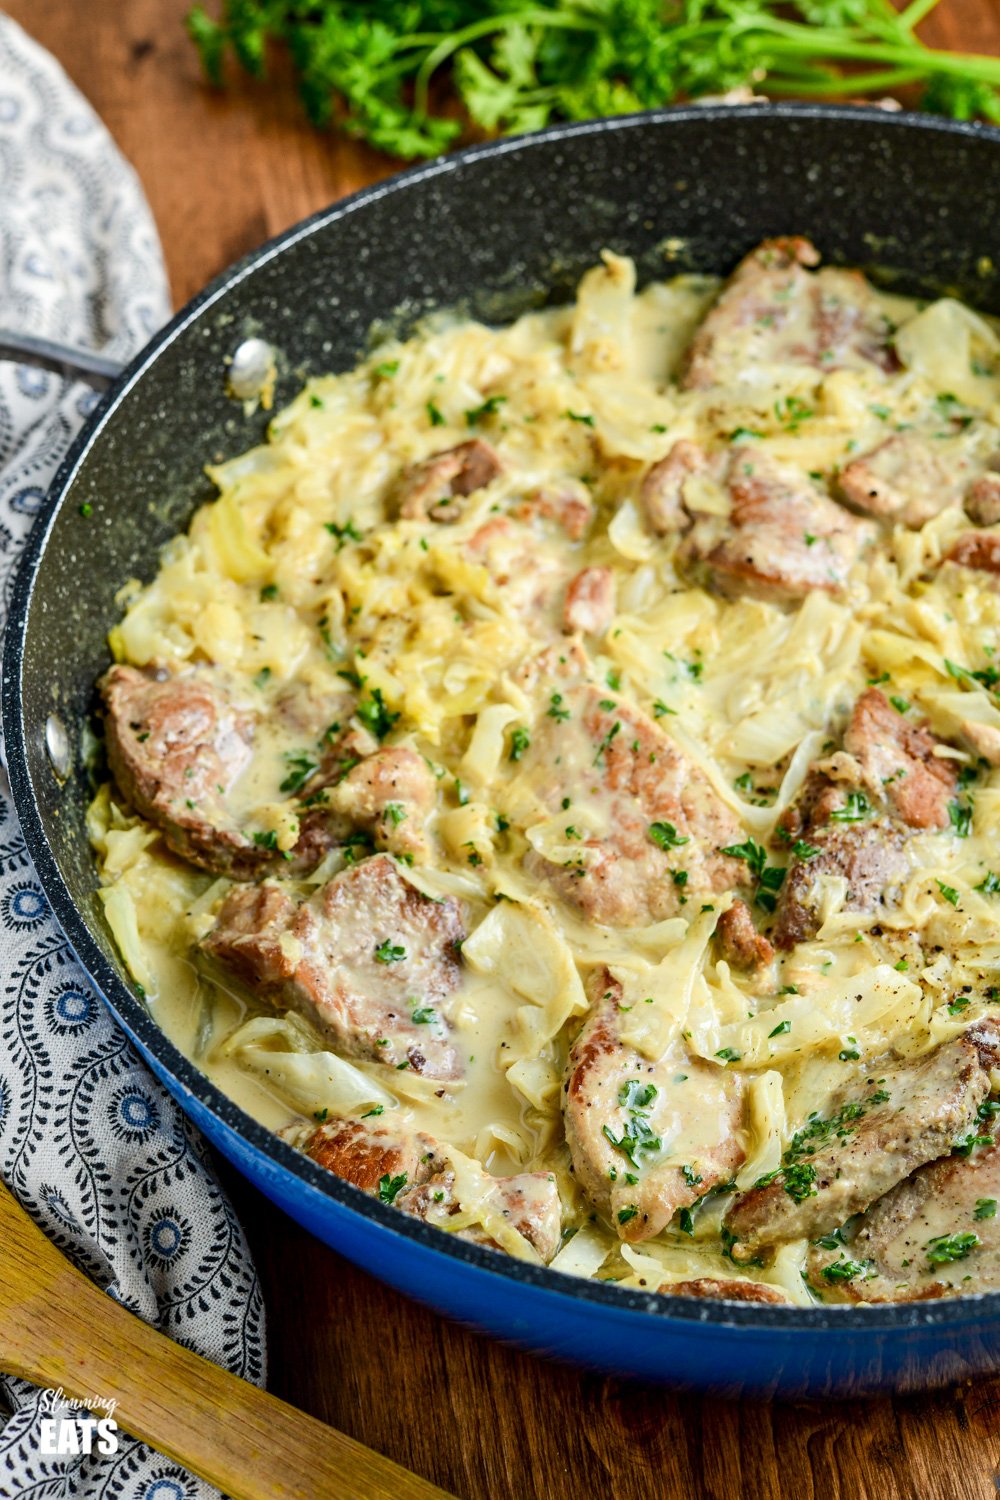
x,y
517,65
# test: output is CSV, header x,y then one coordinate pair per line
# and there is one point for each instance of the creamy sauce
x,y
296,583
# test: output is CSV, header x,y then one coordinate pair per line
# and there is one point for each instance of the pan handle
x,y
62,359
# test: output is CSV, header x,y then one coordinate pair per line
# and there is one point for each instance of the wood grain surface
x,y
224,172
62,1332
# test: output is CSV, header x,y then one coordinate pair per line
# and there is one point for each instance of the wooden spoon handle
x,y
61,1330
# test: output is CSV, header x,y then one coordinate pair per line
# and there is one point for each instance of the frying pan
x,y
490,231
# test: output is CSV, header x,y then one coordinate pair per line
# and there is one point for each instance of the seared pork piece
x,y
732,1291
869,856
315,717
739,942
775,309
932,1235
529,1201
982,502
175,746
645,823
867,1142
364,1152
374,1156
856,811
569,503
661,497
529,579
369,959
431,490
976,549
590,602
390,792
623,1115
904,479
900,762
784,536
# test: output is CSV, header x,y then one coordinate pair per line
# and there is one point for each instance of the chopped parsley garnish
x,y
435,414
855,809
423,1015
387,369
842,1270
488,408
665,836
802,850
344,534
269,591
754,854
900,705
606,742
579,416
519,741
728,1054
691,1177
269,840
957,1005
791,411
556,708
769,877
685,1220
990,885
986,1208
389,1188
637,1135
952,409
960,814
948,892
660,708
301,767
637,1095
376,1109
987,677
782,1029
389,952
971,1141
375,715
625,1214
799,1180
948,1247
396,813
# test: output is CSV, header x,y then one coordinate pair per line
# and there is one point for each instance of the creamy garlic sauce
x,y
296,585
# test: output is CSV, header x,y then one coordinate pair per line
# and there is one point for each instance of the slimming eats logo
x,y
63,1431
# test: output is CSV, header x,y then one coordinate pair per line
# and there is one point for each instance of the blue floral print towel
x,y
91,1145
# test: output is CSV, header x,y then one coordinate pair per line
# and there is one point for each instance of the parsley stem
x,y
891,78
453,41
788,37
914,13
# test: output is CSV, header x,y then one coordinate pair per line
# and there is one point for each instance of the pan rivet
x,y
57,744
252,371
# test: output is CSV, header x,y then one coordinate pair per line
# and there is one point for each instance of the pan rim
x,y
640,1309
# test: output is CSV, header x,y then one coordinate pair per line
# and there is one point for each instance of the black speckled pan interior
x,y
491,232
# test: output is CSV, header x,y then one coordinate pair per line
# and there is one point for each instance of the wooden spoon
x,y
57,1329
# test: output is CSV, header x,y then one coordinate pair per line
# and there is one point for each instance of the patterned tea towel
x,y
91,1145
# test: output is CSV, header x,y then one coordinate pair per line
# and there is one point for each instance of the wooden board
x,y
222,174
